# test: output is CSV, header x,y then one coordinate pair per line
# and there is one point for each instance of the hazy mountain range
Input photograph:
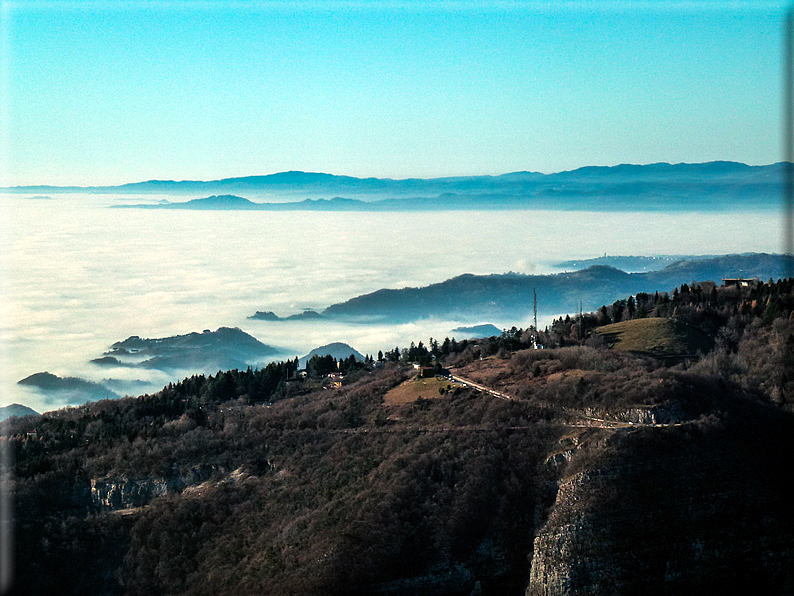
x,y
703,186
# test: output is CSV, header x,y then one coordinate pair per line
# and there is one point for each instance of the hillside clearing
x,y
658,337
412,389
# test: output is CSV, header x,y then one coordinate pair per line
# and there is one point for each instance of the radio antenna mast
x,y
535,309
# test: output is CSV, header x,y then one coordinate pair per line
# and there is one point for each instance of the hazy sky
x,y
106,93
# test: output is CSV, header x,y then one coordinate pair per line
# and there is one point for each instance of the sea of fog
x,y
78,275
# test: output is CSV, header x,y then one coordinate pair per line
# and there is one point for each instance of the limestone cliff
x,y
666,510
125,493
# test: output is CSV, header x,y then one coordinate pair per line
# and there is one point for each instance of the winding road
x,y
592,421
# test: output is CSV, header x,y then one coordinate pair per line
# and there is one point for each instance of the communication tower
x,y
535,328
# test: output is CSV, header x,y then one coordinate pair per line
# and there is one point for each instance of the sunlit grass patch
x,y
655,336
412,389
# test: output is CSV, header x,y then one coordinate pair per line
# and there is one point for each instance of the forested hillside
x,y
602,471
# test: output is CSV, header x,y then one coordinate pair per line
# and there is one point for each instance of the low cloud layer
x,y
83,276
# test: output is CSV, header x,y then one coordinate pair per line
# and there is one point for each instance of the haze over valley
x,y
86,276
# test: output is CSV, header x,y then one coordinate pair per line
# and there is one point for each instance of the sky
x,y
99,93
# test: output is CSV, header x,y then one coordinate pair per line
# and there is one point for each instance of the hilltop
x,y
336,350
658,337
16,410
210,350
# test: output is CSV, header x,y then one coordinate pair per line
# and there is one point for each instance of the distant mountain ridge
x,y
213,202
510,295
484,330
631,263
69,389
306,315
233,202
703,186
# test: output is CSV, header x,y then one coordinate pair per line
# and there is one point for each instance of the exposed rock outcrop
x,y
643,519
122,493
669,414
125,493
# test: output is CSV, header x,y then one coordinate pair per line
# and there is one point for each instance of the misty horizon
x,y
589,166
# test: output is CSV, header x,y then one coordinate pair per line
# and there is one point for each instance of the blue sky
x,y
105,94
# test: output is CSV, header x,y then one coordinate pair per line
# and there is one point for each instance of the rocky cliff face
x,y
666,510
125,493
561,563
668,414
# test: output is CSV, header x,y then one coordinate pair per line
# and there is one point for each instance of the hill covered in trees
x,y
598,471
221,349
16,410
